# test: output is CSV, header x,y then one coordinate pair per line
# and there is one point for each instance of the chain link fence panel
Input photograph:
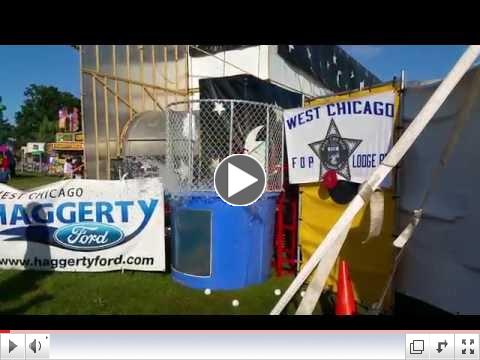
x,y
201,133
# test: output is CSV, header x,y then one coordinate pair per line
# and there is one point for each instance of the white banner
x,y
83,225
350,137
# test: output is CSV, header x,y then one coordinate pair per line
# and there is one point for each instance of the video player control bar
x,y
236,345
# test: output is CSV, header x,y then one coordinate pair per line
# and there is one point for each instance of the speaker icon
x,y
35,346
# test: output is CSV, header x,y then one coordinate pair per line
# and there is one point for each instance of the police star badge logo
x,y
334,151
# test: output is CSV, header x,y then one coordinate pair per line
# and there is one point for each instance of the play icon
x,y
11,346
239,180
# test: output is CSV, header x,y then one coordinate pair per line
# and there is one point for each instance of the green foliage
x,y
38,116
46,130
2,109
6,129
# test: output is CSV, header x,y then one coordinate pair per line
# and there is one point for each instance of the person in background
x,y
68,169
78,168
4,168
13,163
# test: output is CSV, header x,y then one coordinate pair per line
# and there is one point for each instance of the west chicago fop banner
x,y
350,136
83,225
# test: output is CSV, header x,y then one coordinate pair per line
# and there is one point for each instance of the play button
x,y
239,180
11,346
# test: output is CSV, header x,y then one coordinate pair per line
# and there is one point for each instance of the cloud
x,y
363,52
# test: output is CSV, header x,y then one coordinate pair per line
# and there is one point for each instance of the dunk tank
x,y
216,245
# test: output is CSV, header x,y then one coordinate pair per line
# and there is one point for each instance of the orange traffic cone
x,y
345,304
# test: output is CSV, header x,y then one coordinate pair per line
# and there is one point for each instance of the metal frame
x,y
180,112
151,88
225,100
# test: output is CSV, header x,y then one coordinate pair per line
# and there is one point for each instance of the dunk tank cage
x,y
217,245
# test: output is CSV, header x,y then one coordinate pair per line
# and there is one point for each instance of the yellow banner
x,y
371,263
74,146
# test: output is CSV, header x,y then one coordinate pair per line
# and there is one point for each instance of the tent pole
x,y
391,160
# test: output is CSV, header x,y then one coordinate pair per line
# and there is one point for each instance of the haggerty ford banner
x,y
83,225
350,137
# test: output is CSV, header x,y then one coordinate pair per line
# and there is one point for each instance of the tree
x,y
6,129
2,109
46,130
37,118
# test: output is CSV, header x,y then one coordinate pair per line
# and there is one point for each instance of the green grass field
x,y
27,181
29,292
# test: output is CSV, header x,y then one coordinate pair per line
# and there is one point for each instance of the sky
x,y
58,65
420,62
22,65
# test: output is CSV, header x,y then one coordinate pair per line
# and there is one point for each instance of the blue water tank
x,y
219,246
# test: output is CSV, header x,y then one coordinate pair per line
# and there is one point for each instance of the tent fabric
x,y
329,64
248,87
440,265
371,262
214,49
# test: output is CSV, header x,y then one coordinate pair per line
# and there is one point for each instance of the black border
x,y
184,36
213,24
217,22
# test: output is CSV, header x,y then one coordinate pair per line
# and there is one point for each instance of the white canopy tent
x,y
441,262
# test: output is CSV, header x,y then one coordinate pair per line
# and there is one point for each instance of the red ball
x,y
330,179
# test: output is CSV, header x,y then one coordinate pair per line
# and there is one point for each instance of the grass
x,y
62,293
30,181
28,292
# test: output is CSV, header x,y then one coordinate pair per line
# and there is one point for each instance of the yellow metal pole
x,y
107,129
187,73
95,126
95,118
82,109
142,79
165,71
132,82
124,101
129,79
117,120
153,99
176,72
154,73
